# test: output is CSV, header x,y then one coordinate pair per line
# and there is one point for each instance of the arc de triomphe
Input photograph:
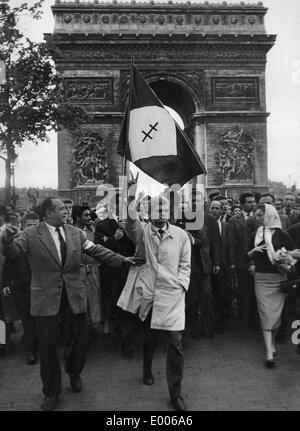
x,y
206,61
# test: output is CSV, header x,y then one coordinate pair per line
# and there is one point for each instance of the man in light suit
x,y
54,252
157,291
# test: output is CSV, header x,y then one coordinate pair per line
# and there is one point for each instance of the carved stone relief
x,y
89,160
235,158
235,88
86,90
143,52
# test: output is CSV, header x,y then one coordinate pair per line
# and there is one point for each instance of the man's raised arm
x,y
12,244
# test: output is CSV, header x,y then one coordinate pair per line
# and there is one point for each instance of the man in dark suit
x,y
222,281
224,216
54,252
294,232
288,208
245,289
205,261
16,281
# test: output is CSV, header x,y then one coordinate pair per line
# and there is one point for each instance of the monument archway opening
x,y
206,61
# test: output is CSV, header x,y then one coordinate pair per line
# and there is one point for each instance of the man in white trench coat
x,y
156,290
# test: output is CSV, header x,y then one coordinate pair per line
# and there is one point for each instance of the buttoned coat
x,y
162,281
241,237
227,245
48,276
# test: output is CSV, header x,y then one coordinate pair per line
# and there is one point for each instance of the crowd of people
x,y
59,277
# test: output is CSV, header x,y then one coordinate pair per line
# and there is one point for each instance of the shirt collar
x,y
246,215
52,228
166,229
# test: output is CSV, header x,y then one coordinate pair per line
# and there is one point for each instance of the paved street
x,y
223,373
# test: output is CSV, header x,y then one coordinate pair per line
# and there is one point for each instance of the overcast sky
x,y
37,165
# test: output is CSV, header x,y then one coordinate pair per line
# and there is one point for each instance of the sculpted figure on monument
x,y
87,89
236,157
89,160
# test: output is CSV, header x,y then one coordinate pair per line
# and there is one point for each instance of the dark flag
x,y
152,140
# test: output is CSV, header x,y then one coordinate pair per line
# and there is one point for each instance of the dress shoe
x,y
269,363
178,404
31,358
148,378
49,403
76,383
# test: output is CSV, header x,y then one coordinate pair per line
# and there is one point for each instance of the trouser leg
x,y
206,307
174,363
77,331
149,344
48,330
245,297
28,322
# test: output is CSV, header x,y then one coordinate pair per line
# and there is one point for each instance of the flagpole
x,y
125,167
128,109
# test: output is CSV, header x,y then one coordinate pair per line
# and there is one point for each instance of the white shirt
x,y
220,225
55,237
52,229
155,229
246,215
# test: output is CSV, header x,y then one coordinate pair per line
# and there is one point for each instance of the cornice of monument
x,y
153,4
162,17
94,47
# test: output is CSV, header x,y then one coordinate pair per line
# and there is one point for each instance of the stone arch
x,y
204,60
175,92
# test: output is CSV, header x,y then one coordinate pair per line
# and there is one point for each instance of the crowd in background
x,y
221,294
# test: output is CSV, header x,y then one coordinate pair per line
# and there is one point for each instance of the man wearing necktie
x,y
222,281
157,291
289,208
54,252
245,287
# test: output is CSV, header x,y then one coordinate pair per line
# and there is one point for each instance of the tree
x,y
31,100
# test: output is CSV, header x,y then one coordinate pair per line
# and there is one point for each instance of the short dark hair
x,y
30,216
77,211
46,205
279,199
246,195
93,215
67,201
264,195
219,198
